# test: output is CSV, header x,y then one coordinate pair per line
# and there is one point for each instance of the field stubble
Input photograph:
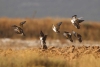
x,y
52,57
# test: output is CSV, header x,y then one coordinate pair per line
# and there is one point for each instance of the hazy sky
x,y
88,9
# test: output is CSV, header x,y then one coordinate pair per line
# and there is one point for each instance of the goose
x,y
68,35
56,27
76,21
18,30
43,40
78,36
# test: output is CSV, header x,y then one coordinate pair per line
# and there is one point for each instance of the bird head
x,y
74,16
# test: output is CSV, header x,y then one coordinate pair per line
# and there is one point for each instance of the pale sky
x,y
88,9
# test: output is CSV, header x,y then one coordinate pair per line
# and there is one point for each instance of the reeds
x,y
49,58
89,30
28,58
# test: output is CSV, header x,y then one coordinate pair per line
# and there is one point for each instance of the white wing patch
x,y
16,29
54,28
73,20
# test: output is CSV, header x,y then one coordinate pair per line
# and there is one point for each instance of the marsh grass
x,y
89,30
86,61
29,59
37,58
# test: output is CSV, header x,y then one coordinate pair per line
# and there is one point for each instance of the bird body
x,y
78,36
43,40
56,27
18,30
75,21
68,35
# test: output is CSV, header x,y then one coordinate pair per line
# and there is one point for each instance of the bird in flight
x,y
18,30
78,36
76,21
68,35
56,27
43,40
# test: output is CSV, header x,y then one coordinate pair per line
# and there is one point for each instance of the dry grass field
x,y
27,53
89,30
53,57
20,51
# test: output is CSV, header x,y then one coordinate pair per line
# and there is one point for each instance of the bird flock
x,y
56,28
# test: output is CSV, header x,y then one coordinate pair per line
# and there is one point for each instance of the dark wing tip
x,y
21,23
24,22
41,33
81,21
59,23
74,16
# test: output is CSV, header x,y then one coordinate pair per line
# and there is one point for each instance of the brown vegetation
x,y
53,57
89,30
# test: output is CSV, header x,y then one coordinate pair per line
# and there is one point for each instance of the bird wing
x,y
80,18
41,34
79,37
45,37
20,30
69,35
21,23
80,40
76,24
58,24
79,21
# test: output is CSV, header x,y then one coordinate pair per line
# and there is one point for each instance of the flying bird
x,y
68,35
18,30
78,36
76,21
56,27
21,23
43,40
